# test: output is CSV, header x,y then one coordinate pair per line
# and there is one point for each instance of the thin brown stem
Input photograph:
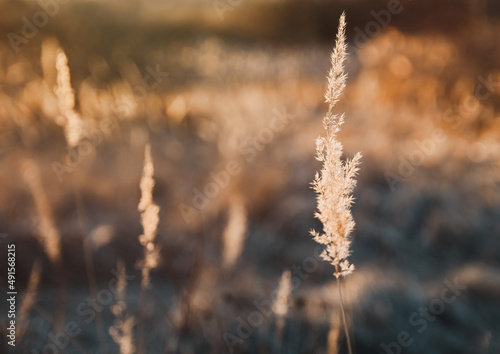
x,y
343,312
140,322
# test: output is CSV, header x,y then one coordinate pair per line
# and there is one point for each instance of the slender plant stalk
x,y
140,322
29,299
342,307
50,236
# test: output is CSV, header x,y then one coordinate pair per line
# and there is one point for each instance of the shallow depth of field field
x,y
230,101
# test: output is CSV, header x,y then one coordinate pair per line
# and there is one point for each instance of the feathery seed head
x,y
280,306
66,100
235,232
282,302
149,218
147,182
336,180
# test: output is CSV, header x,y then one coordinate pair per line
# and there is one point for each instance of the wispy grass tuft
x,y
149,219
66,101
335,182
281,304
235,232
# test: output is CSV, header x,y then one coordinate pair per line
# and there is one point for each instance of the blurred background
x,y
229,93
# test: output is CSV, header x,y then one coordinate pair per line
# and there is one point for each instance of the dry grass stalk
x,y
235,232
121,331
66,101
333,336
149,219
282,302
49,234
29,299
335,182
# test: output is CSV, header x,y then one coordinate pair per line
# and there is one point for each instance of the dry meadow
x,y
157,160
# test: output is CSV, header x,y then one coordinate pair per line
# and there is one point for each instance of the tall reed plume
x,y
149,218
336,180
235,232
73,129
281,304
